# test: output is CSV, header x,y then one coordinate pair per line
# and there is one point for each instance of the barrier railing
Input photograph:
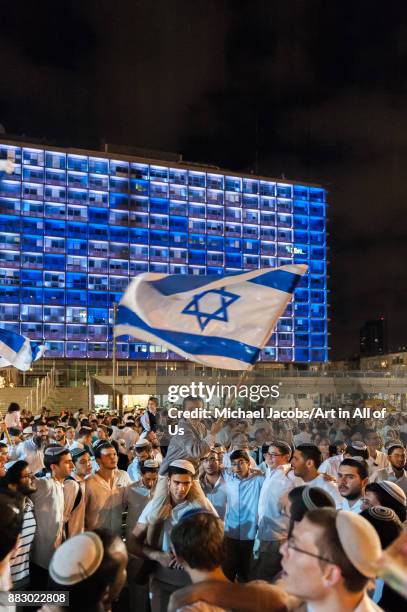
x,y
39,394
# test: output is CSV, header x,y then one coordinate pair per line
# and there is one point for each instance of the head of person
x,y
211,464
192,403
337,448
27,433
11,524
220,450
387,494
239,442
149,473
91,566
240,462
152,438
324,445
106,456
58,461
60,434
302,499
353,476
143,450
101,432
152,405
82,462
85,435
306,460
3,455
330,555
70,433
385,521
357,449
278,453
40,433
397,456
19,478
180,476
13,407
373,439
197,541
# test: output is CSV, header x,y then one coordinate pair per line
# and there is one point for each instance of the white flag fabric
x,y
221,321
18,351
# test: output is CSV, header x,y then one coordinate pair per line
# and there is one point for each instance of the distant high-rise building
x,y
373,337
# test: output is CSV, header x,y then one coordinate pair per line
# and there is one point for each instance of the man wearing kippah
x,y
329,560
395,471
143,450
377,460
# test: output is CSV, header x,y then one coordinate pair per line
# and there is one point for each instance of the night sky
x,y
309,89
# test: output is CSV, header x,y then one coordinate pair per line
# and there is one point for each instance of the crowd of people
x,y
242,515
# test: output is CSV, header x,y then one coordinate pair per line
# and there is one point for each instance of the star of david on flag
x,y
221,321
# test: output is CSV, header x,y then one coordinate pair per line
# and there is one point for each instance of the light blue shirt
x,y
242,506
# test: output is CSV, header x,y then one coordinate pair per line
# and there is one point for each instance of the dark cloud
x,y
313,90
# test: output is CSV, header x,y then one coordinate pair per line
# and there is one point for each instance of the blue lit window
x,y
318,355
250,186
316,195
34,175
158,254
74,315
97,299
284,191
77,196
233,214
251,246
98,198
76,247
9,259
214,227
33,157
9,277
215,197
251,216
300,192
76,298
137,267
119,185
317,310
98,265
158,190
77,179
119,234
100,183
197,257
233,260
249,201
196,195
138,252
29,243
118,266
139,171
159,206
268,233
76,264
10,189
158,222
284,206
233,199
31,191
10,207
268,262
140,187
119,168
233,183
76,280
196,179
77,213
318,325
178,255
10,224
158,237
98,316
76,349
178,192
215,243
158,173
267,189
178,176
159,268
197,240
250,261
267,218
174,269
97,332
55,160
53,331
177,208
285,354
98,165
214,181
78,162
268,204
54,228
138,235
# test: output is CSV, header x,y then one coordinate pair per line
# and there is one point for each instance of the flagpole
x,y
114,357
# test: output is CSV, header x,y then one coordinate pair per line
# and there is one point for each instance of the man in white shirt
x,y
305,462
74,492
129,434
242,492
143,450
32,450
377,460
352,480
329,559
273,525
105,491
331,465
166,578
239,442
395,471
303,437
49,512
213,483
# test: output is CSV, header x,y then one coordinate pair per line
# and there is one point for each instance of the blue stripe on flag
x,y
277,279
11,339
194,344
179,283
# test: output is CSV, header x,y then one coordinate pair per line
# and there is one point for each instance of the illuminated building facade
x,y
76,226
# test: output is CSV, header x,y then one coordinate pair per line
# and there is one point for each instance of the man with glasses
x,y
74,492
329,559
213,482
242,494
273,525
19,479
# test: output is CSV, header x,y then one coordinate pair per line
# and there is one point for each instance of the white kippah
x,y
151,463
77,559
142,443
55,451
184,464
360,542
358,445
27,430
394,490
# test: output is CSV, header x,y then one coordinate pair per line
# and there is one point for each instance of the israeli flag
x,y
18,351
222,321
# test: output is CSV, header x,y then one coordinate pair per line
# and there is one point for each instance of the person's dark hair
x,y
357,452
73,422
3,445
60,426
361,467
190,398
54,460
109,431
85,423
153,399
172,470
11,524
114,421
330,547
387,500
84,431
240,454
87,595
394,446
36,425
282,446
317,496
144,469
310,451
13,474
198,540
301,426
13,407
98,448
387,530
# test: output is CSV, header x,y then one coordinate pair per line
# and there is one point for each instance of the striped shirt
x,y
19,562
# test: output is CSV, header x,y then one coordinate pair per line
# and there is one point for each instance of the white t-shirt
x,y
176,513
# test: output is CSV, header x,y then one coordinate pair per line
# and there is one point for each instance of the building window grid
x,y
280,199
